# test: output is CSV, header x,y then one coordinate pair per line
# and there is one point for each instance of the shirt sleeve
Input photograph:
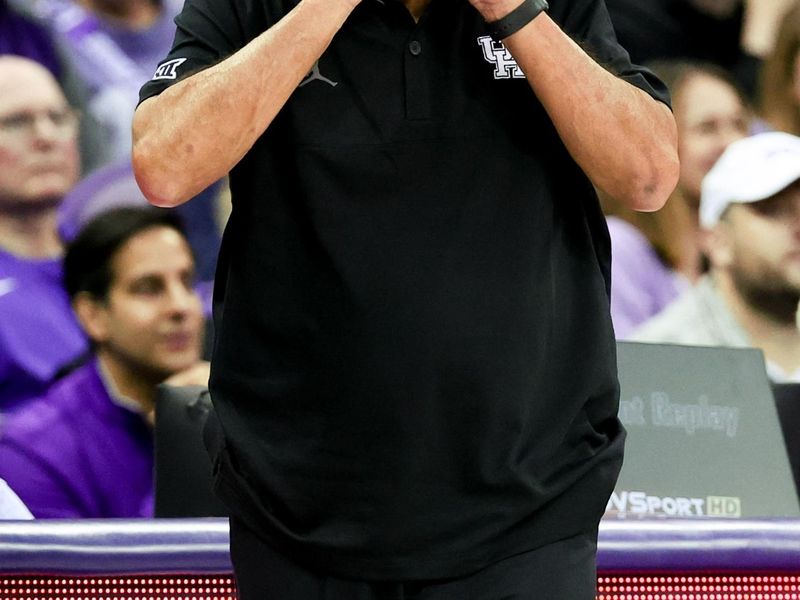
x,y
11,507
642,285
588,23
39,483
207,32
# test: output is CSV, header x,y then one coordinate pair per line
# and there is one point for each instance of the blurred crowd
x,y
103,298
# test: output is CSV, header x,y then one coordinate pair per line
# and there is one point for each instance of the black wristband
x,y
516,19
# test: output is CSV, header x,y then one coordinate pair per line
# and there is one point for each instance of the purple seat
x,y
114,185
108,187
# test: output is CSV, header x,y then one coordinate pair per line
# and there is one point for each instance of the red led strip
x,y
609,587
117,588
698,587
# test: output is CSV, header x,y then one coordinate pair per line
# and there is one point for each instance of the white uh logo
x,y
315,75
505,67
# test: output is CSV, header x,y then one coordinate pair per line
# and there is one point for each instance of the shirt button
x,y
415,48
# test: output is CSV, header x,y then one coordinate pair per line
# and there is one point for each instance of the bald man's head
x,y
39,160
18,68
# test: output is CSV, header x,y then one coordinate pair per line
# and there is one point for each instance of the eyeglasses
x,y
63,123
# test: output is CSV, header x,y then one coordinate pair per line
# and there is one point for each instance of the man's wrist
x,y
509,22
494,11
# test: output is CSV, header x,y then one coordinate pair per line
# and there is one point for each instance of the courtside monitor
x,y
704,438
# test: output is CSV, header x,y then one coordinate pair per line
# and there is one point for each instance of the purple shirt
x,y
105,53
145,47
38,330
76,453
23,37
111,61
641,284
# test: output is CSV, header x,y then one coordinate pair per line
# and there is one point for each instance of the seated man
x,y
750,213
39,164
86,448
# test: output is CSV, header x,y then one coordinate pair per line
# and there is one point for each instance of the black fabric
x,y
674,29
517,19
563,570
787,402
183,483
414,369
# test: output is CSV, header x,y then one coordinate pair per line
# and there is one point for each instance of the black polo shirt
x,y
415,365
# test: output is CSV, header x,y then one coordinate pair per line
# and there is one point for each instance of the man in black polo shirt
x,y
414,373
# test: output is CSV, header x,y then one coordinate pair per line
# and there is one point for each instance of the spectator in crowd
x,y
86,448
39,163
22,35
779,92
115,46
657,255
114,185
750,212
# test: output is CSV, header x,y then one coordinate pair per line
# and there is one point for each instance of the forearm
x,y
762,19
197,130
624,140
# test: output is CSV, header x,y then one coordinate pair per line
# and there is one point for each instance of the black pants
x,y
564,570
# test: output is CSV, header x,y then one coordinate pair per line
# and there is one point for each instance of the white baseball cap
x,y
751,169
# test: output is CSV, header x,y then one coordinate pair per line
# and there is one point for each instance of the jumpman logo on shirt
x,y
315,75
